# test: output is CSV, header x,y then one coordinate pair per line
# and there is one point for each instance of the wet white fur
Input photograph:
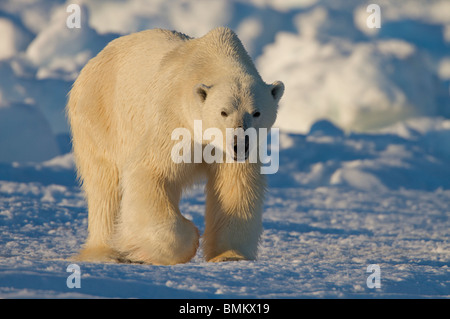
x,y
122,110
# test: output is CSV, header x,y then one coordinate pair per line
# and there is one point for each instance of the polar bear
x,y
122,110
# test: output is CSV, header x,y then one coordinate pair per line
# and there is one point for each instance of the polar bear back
x,y
144,79
113,93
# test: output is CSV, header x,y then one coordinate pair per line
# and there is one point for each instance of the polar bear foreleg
x,y
151,228
233,214
101,186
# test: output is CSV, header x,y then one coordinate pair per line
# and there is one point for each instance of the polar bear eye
x,y
224,114
256,114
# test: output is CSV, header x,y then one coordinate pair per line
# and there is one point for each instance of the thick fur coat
x,y
122,110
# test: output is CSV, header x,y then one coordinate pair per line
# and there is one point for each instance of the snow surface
x,y
364,150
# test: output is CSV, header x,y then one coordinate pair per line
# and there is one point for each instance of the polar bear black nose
x,y
241,153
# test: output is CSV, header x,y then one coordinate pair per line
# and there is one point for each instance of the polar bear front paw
x,y
97,254
163,244
229,255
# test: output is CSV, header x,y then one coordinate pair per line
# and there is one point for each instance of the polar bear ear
x,y
201,91
277,90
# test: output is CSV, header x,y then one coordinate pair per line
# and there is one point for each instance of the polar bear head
x,y
225,90
237,104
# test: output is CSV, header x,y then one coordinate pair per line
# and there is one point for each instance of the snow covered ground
x,y
364,173
317,243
